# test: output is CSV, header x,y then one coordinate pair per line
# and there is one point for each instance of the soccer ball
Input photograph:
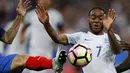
x,y
79,55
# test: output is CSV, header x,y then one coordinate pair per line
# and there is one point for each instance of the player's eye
x,y
101,18
93,17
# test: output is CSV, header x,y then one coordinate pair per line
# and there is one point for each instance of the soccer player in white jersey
x,y
100,39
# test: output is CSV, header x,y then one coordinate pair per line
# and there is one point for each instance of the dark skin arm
x,y
115,46
44,19
10,34
107,22
22,33
125,65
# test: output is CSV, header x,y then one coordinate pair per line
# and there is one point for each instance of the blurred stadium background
x,y
75,15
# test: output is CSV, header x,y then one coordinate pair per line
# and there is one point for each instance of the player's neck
x,y
98,33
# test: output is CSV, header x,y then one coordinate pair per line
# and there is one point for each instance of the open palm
x,y
23,7
109,19
42,14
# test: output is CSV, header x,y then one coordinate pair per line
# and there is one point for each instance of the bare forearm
x,y
56,37
115,46
12,31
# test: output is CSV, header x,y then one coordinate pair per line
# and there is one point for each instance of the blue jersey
x,y
5,61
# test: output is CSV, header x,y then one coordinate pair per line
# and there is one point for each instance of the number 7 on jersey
x,y
99,50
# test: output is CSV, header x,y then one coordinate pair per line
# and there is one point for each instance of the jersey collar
x,y
90,33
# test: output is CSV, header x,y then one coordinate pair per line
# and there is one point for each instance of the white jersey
x,y
103,58
40,42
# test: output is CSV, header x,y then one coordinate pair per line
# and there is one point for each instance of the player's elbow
x,y
59,41
56,40
6,39
7,42
117,52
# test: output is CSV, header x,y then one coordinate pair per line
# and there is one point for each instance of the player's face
x,y
96,20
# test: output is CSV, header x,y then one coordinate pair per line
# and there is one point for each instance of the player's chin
x,y
96,30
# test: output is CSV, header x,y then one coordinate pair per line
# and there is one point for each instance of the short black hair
x,y
96,8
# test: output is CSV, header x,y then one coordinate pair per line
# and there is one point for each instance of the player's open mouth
x,y
96,27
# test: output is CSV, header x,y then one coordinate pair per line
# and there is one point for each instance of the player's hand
x,y
42,14
109,19
23,7
125,45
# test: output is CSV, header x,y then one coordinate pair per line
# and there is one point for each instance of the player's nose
x,y
96,20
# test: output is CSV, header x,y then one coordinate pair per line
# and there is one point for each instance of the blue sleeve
x,y
2,31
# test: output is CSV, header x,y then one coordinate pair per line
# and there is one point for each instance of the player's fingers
x,y
123,45
38,9
122,42
29,7
114,17
20,1
43,8
46,13
113,13
40,6
105,16
109,12
25,2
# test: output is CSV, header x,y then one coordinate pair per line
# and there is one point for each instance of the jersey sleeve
x,y
73,38
2,31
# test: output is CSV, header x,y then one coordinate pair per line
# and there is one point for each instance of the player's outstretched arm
x,y
107,22
11,32
125,65
44,19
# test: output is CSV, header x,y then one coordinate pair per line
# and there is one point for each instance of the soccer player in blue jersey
x,y
125,65
16,63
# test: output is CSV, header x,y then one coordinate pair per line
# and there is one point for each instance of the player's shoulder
x,y
116,35
75,35
80,33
